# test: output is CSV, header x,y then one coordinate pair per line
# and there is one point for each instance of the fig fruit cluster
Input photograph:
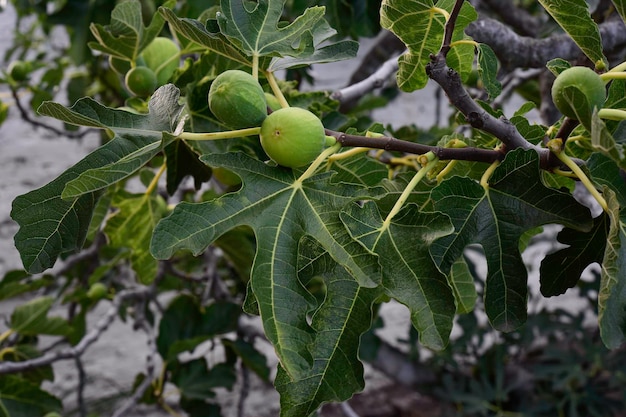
x,y
292,137
153,67
577,91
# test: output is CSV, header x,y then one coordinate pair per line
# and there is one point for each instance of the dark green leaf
x,y
280,208
409,273
181,162
345,314
562,270
51,226
185,324
196,382
496,217
21,398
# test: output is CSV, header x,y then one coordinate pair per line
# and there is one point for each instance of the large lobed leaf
x,y
344,316
421,27
496,217
574,17
126,36
409,273
280,209
51,225
255,29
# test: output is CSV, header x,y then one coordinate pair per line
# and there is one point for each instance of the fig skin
x,y
237,99
293,137
162,56
141,81
585,83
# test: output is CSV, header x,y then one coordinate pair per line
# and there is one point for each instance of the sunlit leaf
x,y
574,17
420,25
126,36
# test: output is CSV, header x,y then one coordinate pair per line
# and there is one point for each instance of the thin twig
x,y
36,123
80,348
80,389
149,377
374,81
245,390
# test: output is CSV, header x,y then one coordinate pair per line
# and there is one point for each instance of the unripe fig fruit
x,y
292,137
272,102
97,290
162,56
19,70
141,81
237,100
577,91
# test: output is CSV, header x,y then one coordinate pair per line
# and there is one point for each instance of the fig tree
x,y
237,99
162,56
141,81
292,137
577,91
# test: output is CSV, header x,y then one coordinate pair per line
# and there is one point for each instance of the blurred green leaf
x,y
21,398
31,318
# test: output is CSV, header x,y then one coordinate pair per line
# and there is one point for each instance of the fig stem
x,y
449,166
155,181
347,154
563,157
484,180
276,89
409,189
440,11
464,42
608,76
619,67
255,66
318,161
612,114
229,134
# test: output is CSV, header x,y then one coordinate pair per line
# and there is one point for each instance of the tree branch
x,y
515,51
80,348
376,80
